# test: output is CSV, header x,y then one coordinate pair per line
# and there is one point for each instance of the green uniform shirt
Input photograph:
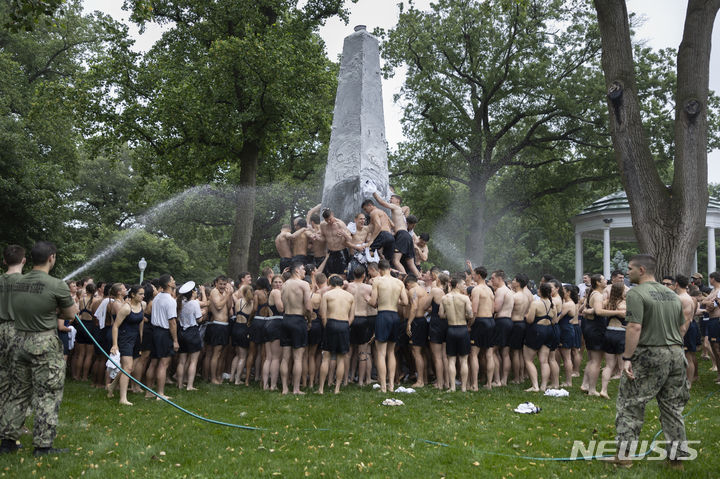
x,y
659,311
35,299
6,282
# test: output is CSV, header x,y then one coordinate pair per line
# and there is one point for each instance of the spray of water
x,y
147,218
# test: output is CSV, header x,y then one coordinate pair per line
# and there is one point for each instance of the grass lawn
x,y
152,439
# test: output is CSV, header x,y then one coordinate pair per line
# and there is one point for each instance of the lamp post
x,y
142,264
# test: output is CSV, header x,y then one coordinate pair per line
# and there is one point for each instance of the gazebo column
x,y
695,263
606,252
711,249
578,257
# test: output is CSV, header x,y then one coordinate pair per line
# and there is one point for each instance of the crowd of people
x,y
349,304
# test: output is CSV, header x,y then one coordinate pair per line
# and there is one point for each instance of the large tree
x,y
500,93
668,220
229,85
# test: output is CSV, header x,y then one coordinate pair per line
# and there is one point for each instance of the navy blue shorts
x,y
437,330
257,329
538,335
458,341
316,331
614,341
703,326
388,327
577,339
482,333
692,337
127,340
503,330
65,340
713,329
82,337
189,340
273,330
294,332
360,330
567,335
419,331
162,342
517,334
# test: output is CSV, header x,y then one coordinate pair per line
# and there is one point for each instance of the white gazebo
x,y
612,212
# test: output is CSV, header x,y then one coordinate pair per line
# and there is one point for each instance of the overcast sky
x,y
662,28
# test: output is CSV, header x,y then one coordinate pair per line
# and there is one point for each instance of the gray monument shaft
x,y
358,148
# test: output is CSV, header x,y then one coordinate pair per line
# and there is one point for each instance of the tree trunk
x,y
477,231
667,221
254,255
245,210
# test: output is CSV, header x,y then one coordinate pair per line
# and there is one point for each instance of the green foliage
x,y
28,14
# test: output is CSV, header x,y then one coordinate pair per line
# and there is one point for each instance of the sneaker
x,y
44,451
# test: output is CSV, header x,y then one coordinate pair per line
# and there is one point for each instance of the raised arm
x,y
313,210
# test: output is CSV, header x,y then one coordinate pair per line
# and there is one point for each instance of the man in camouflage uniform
x,y
39,373
654,363
14,259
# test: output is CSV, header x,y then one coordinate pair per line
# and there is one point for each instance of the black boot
x,y
44,451
8,445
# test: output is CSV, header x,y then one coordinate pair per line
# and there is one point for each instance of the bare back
x,y
361,292
295,296
337,304
483,301
520,306
282,244
456,308
388,291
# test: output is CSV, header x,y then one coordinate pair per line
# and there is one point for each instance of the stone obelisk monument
x,y
358,149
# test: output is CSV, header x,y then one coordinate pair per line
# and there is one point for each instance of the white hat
x,y
187,287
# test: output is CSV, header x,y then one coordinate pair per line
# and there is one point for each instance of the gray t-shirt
x,y
164,308
189,314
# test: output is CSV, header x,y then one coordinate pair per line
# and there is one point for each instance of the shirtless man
x,y
457,308
361,330
521,304
387,292
318,247
404,253
417,326
616,276
296,301
504,302
690,329
397,200
336,237
713,324
217,334
381,238
283,247
300,240
337,310
482,329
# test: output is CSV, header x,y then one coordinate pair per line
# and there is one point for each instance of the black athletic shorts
x,y
146,344
65,340
458,341
614,341
273,329
404,245
388,327
162,342
360,330
538,335
300,258
316,332
285,263
419,331
336,337
336,263
127,339
503,329
482,333
240,335
594,333
294,331
217,334
713,329
437,330
385,242
189,340
84,338
517,334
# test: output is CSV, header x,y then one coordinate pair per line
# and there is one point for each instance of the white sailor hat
x,y
187,287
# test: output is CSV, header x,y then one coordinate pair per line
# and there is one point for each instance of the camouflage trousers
x,y
38,379
660,373
7,346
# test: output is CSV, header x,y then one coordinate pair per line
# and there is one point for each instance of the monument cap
x,y
360,27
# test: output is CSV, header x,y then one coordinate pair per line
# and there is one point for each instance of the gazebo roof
x,y
613,210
